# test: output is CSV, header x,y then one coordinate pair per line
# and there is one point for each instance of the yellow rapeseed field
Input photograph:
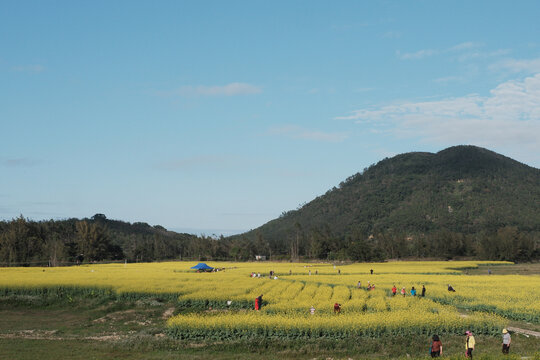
x,y
220,305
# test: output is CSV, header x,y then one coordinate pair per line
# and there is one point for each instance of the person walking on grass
x,y
469,344
413,291
394,290
403,291
436,346
506,342
423,290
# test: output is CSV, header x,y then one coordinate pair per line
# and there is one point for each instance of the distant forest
x,y
69,242
462,202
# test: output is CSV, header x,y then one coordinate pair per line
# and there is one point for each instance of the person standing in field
x,y
312,310
258,302
423,290
436,346
413,291
371,271
469,344
337,308
403,291
506,342
394,290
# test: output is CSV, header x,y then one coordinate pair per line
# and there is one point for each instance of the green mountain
x,y
461,191
462,201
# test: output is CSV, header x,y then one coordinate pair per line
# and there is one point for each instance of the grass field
x,y
166,311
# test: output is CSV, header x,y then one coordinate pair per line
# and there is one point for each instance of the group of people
x,y
436,348
412,292
370,286
258,275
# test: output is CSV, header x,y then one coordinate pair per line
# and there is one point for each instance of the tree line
x,y
24,242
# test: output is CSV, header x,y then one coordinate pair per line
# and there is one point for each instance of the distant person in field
x,y
506,342
312,310
403,291
258,302
359,285
450,288
413,291
469,345
394,290
371,271
423,291
337,308
436,346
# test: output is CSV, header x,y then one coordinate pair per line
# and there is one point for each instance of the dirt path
x,y
524,331
50,335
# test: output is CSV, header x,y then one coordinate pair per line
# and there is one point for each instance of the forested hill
x,y
416,204
462,201
25,242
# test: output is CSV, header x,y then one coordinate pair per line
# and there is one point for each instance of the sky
x,y
214,117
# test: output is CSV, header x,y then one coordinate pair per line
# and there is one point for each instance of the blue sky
x,y
216,116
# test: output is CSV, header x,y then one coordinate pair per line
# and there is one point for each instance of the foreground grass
x,y
94,329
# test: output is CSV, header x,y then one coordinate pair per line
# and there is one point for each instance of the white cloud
x,y
391,35
509,117
34,69
462,52
231,89
449,79
297,132
420,54
18,162
516,66
464,46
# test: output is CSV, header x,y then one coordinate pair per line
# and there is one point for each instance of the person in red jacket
x,y
436,346
337,308
394,290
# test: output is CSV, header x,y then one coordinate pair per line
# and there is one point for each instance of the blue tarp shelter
x,y
202,266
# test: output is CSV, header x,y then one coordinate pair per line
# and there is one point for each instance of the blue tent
x,y
202,266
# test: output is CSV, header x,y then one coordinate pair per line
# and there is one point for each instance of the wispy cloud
x,y
449,79
18,162
297,132
463,46
391,35
460,52
481,54
33,69
516,66
420,54
232,89
509,116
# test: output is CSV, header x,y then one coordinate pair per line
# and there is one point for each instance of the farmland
x,y
219,306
